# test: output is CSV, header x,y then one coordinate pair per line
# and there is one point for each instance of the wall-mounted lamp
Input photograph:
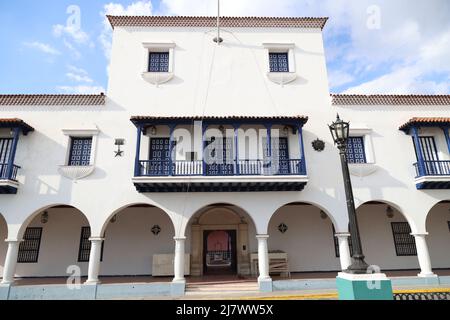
x,y
118,143
113,219
222,129
152,130
44,217
285,130
323,215
389,212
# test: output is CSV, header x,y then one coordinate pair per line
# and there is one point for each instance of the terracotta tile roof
x,y
230,22
52,99
421,121
143,119
390,99
15,122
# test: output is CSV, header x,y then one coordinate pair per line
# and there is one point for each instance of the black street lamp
x,y
340,131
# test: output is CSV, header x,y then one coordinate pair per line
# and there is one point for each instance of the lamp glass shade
x,y
339,130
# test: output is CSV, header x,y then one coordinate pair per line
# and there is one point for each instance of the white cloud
x,y
78,78
81,89
73,32
143,7
339,78
78,74
75,53
42,47
77,70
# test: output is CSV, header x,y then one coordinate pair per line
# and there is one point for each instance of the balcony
x,y
9,137
432,174
231,171
431,143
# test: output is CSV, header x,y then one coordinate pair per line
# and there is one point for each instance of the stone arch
x,y
321,207
125,206
200,210
379,228
305,232
57,241
438,234
393,205
142,233
29,219
232,219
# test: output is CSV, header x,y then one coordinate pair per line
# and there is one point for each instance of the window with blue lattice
x,y
80,151
278,62
355,150
158,62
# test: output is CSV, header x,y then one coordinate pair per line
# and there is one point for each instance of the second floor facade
x,y
205,131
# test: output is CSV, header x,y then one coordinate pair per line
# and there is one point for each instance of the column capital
x,y
179,238
342,234
419,234
13,240
262,236
96,239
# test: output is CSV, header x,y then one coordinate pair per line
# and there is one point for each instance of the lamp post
x,y
340,131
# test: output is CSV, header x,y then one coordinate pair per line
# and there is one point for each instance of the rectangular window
x,y
403,240
80,151
5,149
29,247
355,150
336,244
85,245
278,62
158,62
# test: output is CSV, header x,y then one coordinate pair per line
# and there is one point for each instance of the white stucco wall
x,y
234,83
377,239
308,241
130,244
59,246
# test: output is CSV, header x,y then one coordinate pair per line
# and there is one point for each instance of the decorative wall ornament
x,y
118,143
156,229
323,215
318,145
282,227
113,219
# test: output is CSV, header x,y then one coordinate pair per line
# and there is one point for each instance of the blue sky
x,y
377,46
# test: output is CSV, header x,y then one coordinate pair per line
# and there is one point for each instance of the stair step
x,y
221,288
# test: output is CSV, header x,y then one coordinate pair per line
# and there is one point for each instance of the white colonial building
x,y
206,159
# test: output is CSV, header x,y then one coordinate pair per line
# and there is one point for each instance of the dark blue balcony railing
x,y
432,168
6,174
161,168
